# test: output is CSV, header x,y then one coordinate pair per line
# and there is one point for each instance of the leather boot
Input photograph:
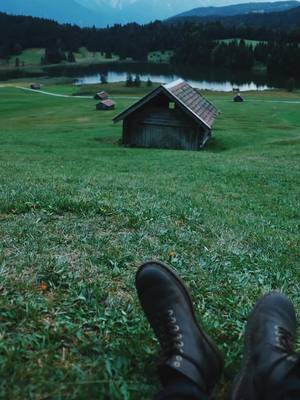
x,y
186,348
269,356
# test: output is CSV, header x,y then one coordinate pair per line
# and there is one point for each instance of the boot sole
x,y
184,290
241,379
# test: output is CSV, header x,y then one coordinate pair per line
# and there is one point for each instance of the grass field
x,y
85,56
160,56
248,42
79,212
31,58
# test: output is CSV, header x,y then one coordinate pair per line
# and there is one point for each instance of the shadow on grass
x,y
215,146
108,140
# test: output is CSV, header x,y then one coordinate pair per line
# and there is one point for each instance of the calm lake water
x,y
202,78
225,86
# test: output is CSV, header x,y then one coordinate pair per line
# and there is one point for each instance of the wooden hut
x,y
106,105
101,96
173,116
238,98
35,86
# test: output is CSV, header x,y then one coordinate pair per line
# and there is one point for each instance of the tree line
x,y
197,44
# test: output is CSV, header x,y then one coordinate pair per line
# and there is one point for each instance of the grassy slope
x,y
159,56
32,58
78,213
85,56
248,42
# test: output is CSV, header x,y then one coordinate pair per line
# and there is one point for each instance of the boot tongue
x,y
178,364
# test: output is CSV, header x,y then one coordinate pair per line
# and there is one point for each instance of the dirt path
x,y
53,94
137,98
73,97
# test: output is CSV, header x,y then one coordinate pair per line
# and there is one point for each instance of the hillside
x,y
239,9
71,12
96,12
108,12
286,20
79,213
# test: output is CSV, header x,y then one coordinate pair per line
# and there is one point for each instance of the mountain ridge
x,y
108,12
280,20
238,9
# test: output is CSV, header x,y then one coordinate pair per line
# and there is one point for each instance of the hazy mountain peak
x,y
114,4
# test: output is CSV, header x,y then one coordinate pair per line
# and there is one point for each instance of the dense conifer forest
x,y
199,44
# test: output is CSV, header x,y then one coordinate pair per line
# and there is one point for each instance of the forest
x,y
199,44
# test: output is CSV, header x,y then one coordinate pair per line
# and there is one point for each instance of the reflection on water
x,y
202,78
225,86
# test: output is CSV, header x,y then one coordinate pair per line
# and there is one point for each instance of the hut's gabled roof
x,y
194,101
108,102
185,96
102,95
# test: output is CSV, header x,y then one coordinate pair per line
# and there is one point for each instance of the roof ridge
x,y
186,96
172,84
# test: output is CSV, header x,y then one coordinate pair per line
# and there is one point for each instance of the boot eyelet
x,y
175,328
170,312
179,345
178,358
177,364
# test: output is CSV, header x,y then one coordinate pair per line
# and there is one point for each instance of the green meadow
x,y
32,57
79,213
248,42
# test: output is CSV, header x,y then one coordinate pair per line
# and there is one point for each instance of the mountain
x,y
66,11
98,12
239,9
108,12
284,20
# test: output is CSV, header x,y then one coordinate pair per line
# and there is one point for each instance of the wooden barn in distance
x,y
173,116
238,98
35,86
106,105
101,96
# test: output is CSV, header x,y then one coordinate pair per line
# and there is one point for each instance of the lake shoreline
x,y
202,78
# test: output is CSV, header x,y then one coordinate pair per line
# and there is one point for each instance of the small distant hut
x,y
106,105
173,116
238,98
35,86
101,96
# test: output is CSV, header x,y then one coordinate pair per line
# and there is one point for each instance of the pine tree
x,y
290,84
103,79
71,57
129,80
137,80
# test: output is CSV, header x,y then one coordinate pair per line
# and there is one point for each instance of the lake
x,y
201,78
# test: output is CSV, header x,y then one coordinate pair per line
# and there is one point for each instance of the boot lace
x,y
284,339
168,332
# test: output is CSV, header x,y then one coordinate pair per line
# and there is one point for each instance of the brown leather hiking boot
x,y
186,349
269,356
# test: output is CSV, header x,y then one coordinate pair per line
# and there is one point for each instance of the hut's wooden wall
x,y
155,125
